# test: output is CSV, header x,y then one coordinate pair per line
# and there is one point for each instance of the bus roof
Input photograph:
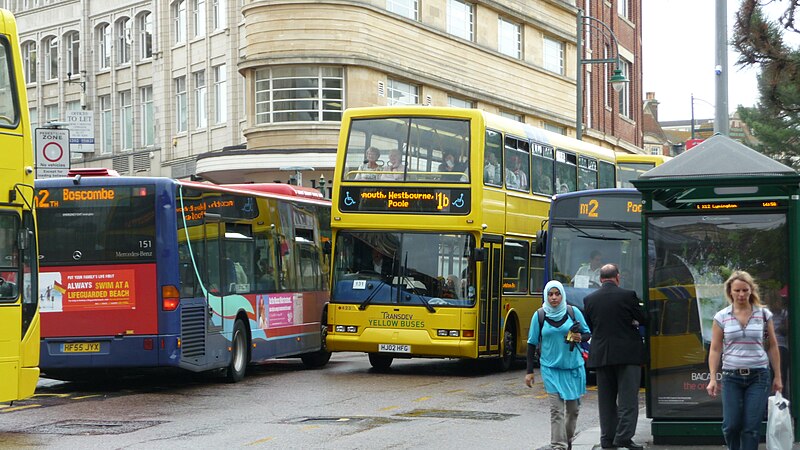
x,y
599,192
108,177
279,188
522,130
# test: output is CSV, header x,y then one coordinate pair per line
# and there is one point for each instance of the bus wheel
x,y
509,351
238,365
320,357
380,362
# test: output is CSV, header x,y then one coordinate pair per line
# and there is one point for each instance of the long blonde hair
x,y
741,275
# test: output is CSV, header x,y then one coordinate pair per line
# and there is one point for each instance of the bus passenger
x,y
365,171
450,164
394,169
522,176
491,172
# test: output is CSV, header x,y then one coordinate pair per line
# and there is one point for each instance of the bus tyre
x,y
509,351
238,364
320,357
380,362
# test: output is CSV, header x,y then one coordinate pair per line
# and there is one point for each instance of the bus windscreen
x,y
88,225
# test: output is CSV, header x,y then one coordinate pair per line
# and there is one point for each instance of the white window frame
x,y
199,17
220,94
124,30
624,95
200,99
220,14
104,46
50,45
457,102
145,25
406,8
148,117
397,91
179,20
460,19
280,94
623,9
512,116
181,108
509,38
72,45
106,125
553,55
126,120
29,61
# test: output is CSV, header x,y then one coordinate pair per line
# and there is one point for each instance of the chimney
x,y
651,99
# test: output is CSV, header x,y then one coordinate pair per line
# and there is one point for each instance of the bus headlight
x,y
346,329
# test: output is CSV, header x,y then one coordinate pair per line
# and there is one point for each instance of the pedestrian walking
x,y
738,336
559,335
617,353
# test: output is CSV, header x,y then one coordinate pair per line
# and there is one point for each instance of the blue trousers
x,y
744,402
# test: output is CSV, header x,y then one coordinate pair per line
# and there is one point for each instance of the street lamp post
x,y
617,80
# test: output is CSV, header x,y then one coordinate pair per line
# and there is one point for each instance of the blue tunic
x,y
562,370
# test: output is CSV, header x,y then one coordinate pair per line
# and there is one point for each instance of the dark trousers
x,y
618,401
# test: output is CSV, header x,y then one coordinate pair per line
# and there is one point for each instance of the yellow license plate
x,y
81,347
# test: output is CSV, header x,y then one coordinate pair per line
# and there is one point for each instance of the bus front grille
x,y
193,331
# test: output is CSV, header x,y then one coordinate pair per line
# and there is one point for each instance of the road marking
x,y
454,391
260,441
422,399
388,408
18,408
85,396
52,395
311,427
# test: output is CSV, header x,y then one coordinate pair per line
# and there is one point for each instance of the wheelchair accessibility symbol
x,y
348,201
459,202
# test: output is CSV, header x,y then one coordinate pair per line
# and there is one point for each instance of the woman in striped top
x,y
737,339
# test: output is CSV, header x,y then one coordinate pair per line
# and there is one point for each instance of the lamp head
x,y
618,80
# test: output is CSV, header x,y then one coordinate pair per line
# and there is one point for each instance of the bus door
x,y
489,301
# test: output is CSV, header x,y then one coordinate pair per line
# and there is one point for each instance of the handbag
x,y
779,423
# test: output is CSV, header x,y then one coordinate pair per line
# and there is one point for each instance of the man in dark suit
x,y
617,353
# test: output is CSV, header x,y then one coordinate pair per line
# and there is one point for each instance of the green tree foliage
x,y
775,120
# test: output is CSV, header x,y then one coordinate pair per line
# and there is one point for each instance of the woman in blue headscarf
x,y
560,361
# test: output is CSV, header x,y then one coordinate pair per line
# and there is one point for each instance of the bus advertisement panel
x,y
153,272
435,219
694,252
19,314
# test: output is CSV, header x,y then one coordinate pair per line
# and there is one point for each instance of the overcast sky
x,y
678,57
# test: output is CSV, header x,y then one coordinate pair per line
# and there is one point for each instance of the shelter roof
x,y
718,156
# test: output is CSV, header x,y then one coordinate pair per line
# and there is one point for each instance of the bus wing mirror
x,y
541,240
479,255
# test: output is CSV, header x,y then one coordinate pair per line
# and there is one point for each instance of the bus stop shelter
x,y
716,208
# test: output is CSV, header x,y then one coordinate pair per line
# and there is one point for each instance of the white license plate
x,y
394,348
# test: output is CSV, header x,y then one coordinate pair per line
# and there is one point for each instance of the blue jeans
x,y
744,402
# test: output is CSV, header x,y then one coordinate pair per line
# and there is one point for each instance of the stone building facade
x,y
248,91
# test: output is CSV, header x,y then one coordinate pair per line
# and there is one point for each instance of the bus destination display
x,y
404,200
89,196
738,205
625,209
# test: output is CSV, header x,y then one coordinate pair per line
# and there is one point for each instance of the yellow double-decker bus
x,y
632,165
435,217
19,319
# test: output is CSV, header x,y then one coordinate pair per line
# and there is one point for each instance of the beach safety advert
x,y
79,291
